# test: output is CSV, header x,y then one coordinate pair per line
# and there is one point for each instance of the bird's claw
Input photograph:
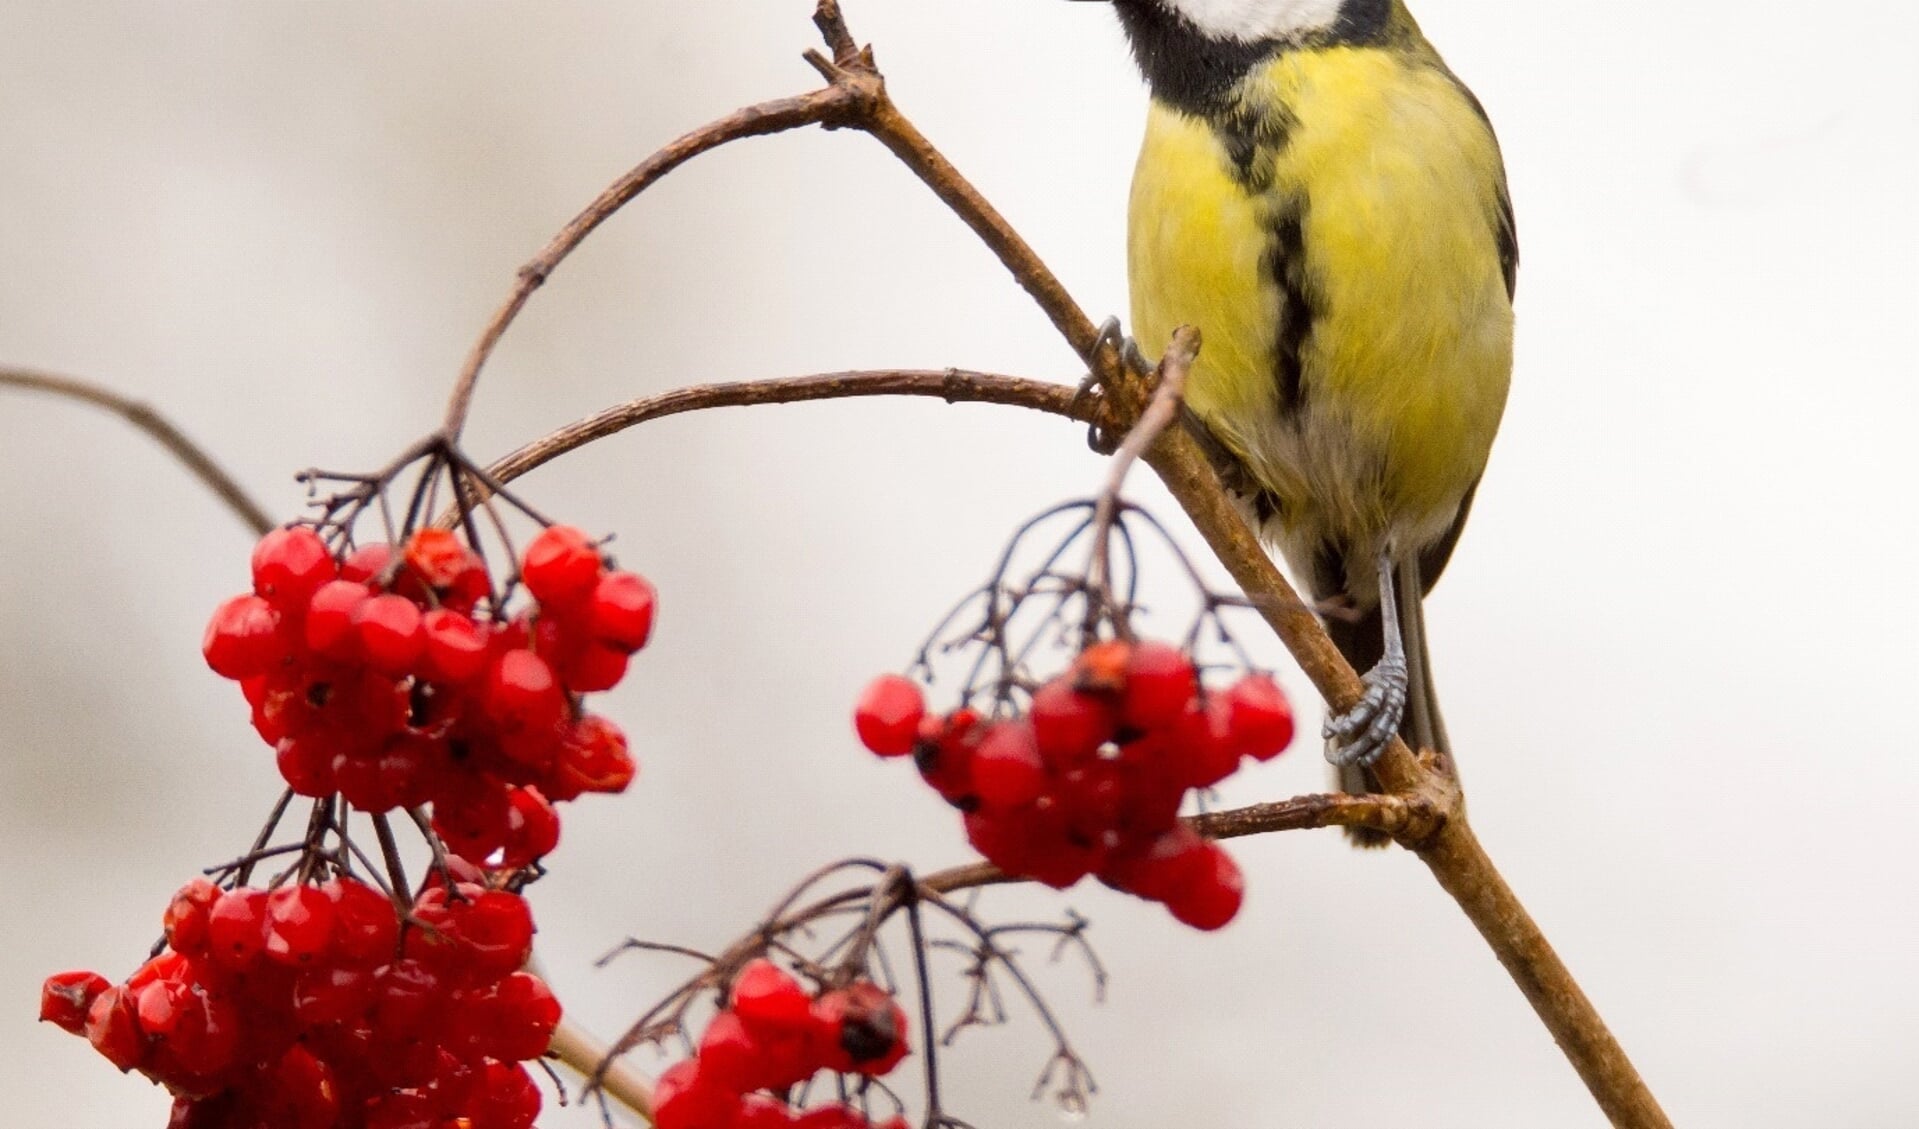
x,y
1130,358
1362,733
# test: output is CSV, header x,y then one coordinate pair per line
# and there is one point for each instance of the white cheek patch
x,y
1250,21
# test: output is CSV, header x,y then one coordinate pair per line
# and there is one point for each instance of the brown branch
x,y
952,385
856,97
1410,819
190,454
585,1056
1453,854
828,106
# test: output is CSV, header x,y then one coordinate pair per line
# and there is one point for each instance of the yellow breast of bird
x,y
1341,256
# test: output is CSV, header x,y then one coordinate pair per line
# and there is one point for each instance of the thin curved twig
x,y
952,385
829,106
190,454
1412,819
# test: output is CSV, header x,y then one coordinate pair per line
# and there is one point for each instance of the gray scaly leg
x,y
1360,734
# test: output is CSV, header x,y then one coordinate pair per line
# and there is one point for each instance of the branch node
x,y
832,25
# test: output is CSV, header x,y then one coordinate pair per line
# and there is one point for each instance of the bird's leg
x,y
1130,358
1360,734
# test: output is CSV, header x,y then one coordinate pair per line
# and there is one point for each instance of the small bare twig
x,y
836,104
190,454
1160,414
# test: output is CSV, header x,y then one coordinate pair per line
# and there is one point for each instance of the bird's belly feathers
x,y
1364,248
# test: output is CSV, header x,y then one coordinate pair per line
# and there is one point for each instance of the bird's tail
x,y
1362,641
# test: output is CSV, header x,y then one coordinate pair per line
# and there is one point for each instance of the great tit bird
x,y
1326,201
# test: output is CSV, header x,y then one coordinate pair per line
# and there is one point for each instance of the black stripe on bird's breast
x,y
1286,266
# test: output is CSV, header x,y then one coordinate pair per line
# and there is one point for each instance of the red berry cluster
x,y
311,1007
379,678
1091,779
774,1035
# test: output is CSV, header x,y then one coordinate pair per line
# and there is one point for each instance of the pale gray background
x,y
1674,646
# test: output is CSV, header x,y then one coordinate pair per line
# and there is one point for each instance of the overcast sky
x,y
1674,648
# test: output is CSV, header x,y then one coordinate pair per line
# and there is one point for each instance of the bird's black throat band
x,y
1196,73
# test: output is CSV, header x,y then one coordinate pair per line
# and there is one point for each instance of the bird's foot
x,y
1130,357
1111,333
1359,735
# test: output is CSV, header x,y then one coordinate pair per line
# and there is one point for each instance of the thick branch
x,y
1453,854
587,1057
856,97
155,425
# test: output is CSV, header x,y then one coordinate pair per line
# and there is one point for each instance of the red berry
x,y
236,927
400,773
1203,743
561,566
684,1100
1069,725
66,997
329,618
593,757
730,1057
1212,896
1100,669
833,1115
366,927
206,1041
944,756
299,923
621,612
757,1111
1260,718
593,668
456,647
1007,770
288,565
185,920
1172,861
769,1001
367,564
306,764
303,1093
496,931
506,1098
243,638
524,1014
867,1026
113,1027
532,827
521,692
470,813
390,634
161,1006
406,996
1159,682
441,562
326,994
888,715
